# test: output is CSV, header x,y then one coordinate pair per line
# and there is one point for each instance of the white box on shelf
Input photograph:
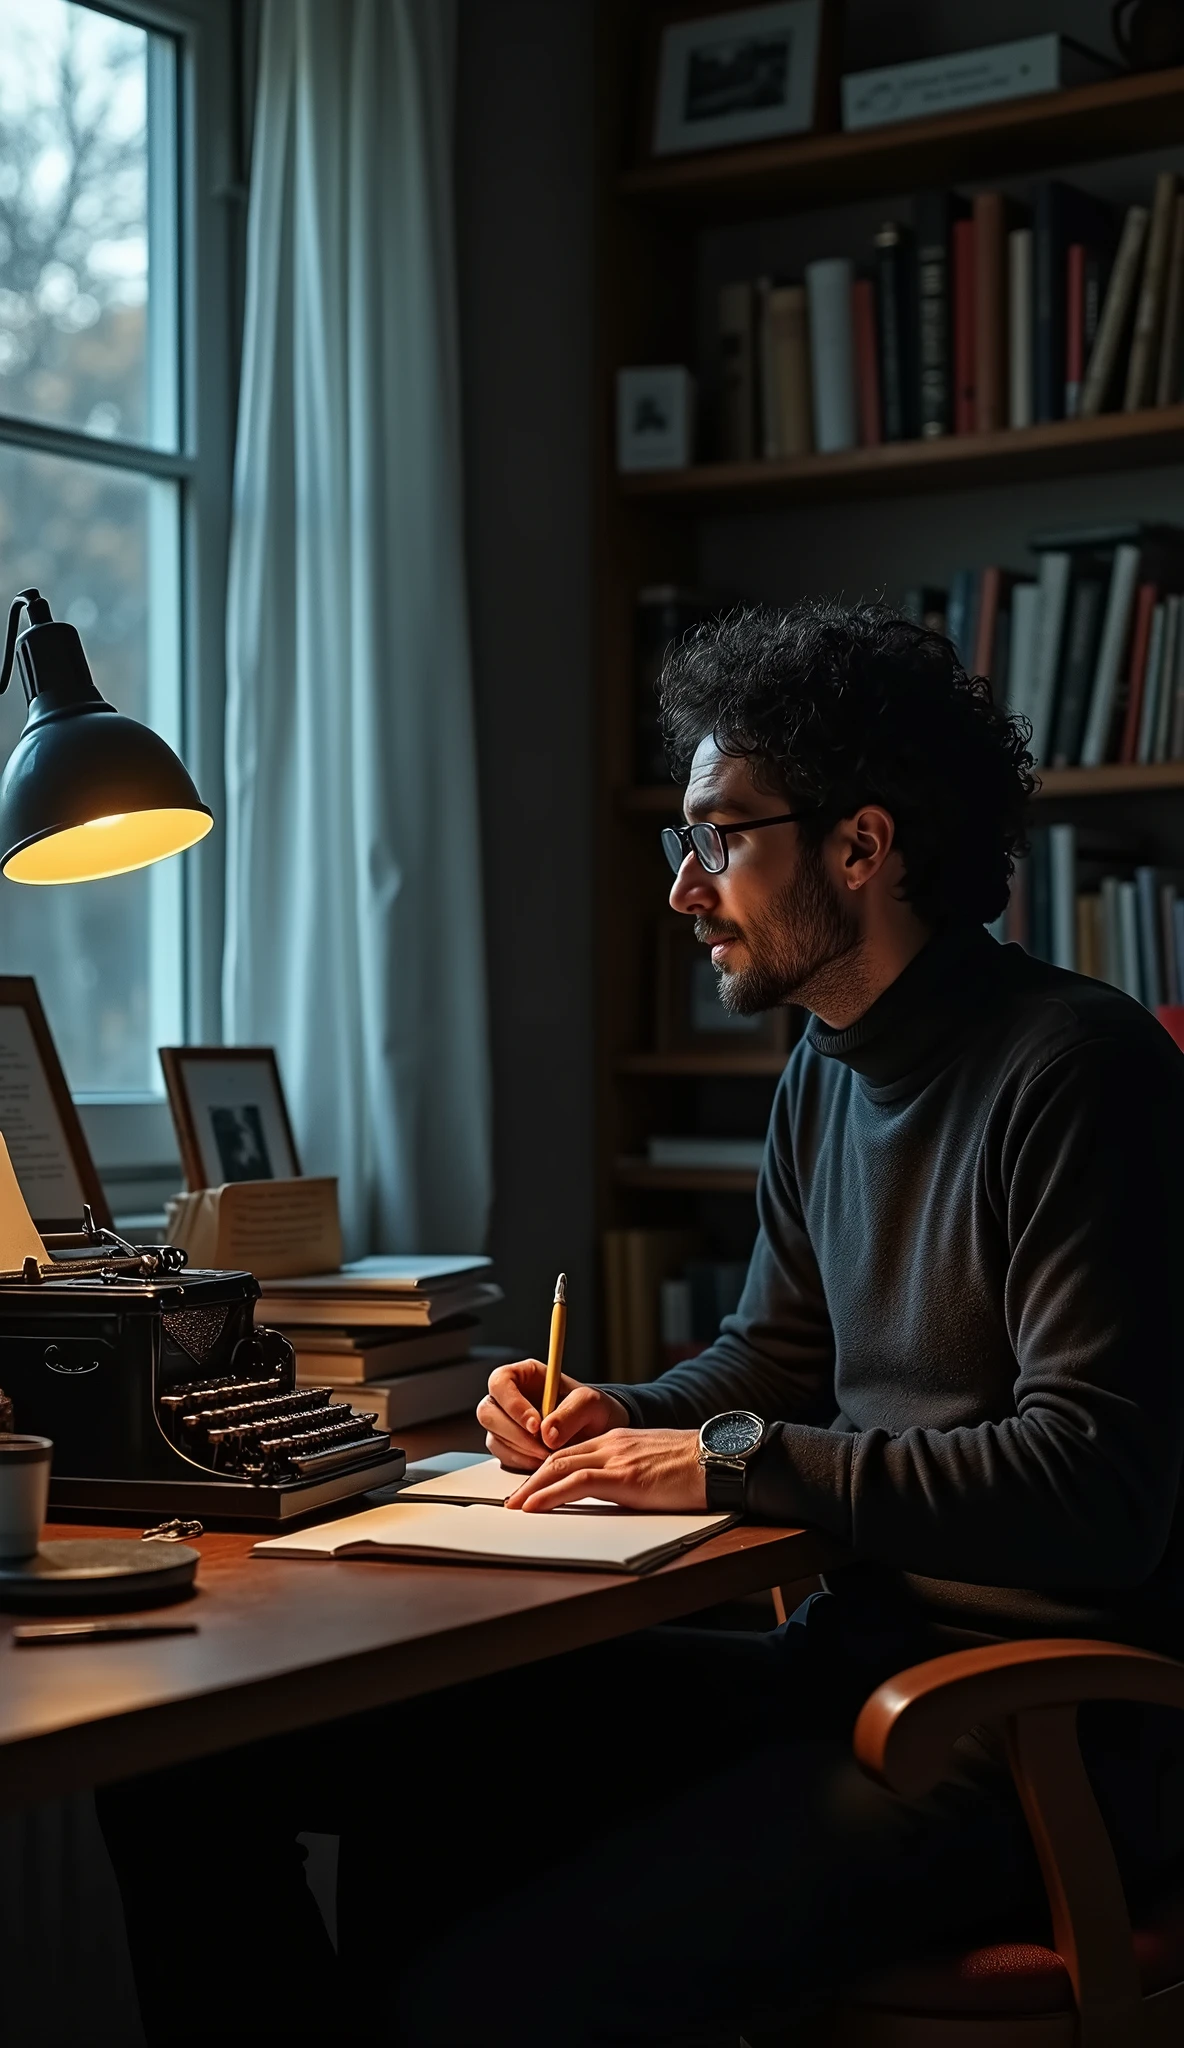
x,y
968,78
655,417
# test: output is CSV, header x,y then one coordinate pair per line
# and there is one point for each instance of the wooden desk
x,y
285,1644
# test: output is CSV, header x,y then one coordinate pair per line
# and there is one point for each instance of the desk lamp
x,y
87,792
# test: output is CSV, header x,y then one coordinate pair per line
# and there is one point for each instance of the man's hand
x,y
511,1414
657,1469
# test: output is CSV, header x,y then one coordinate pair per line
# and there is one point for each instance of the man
x,y
957,1352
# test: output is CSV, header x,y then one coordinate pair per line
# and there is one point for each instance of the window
x,y
110,434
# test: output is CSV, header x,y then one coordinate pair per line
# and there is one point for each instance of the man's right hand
x,y
511,1414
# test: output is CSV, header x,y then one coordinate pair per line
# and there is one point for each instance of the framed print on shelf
x,y
41,1127
745,74
691,1017
230,1114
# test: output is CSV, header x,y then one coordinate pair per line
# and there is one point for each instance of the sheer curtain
x,y
354,939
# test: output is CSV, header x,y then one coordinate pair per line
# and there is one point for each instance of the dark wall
x,y
524,199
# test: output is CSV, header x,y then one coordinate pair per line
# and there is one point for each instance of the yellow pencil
x,y
555,1351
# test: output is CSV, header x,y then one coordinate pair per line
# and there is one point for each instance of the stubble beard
x,y
805,948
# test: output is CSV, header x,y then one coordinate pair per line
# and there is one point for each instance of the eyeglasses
x,y
709,843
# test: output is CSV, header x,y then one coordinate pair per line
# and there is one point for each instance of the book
x,y
1020,330
1167,679
1147,886
1053,583
1143,362
737,395
968,78
1112,644
355,1356
1176,726
1080,653
1025,625
1062,215
1145,598
994,598
1075,323
991,398
1062,892
636,1263
962,614
892,244
832,353
934,214
601,1540
389,1274
867,364
1152,687
374,1310
404,1400
1117,312
963,271
786,427
1128,963
1167,376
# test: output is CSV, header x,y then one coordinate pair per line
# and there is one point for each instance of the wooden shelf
x,y
690,1180
1121,116
1055,783
1114,440
708,1065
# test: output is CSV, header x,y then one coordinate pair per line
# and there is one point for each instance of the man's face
x,y
777,921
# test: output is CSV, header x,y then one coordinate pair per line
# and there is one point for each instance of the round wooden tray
x,y
95,1572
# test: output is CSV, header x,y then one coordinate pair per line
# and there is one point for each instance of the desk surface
x,y
284,1644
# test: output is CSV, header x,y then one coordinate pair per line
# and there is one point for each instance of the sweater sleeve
x,y
776,1354
1078,1484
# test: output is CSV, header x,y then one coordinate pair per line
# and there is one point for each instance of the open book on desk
x,y
482,1483
414,1532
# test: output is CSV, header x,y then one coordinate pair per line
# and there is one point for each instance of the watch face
x,y
729,1436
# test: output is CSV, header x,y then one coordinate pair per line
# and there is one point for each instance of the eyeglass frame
x,y
684,835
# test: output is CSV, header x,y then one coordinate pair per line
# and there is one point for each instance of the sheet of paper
x,y
486,1483
617,1542
272,1228
32,1128
19,1236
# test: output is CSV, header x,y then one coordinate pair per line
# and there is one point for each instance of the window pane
x,y
86,102
102,545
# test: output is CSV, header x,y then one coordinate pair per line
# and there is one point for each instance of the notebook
x,y
417,1532
483,1483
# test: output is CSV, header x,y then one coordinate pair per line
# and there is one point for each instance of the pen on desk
x,y
31,1633
555,1349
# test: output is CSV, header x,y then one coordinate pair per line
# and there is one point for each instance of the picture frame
x,y
41,1126
655,417
230,1114
727,76
690,1016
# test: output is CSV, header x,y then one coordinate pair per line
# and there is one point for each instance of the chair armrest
x,y
908,1727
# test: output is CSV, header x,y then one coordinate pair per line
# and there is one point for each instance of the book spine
x,y
1074,327
1128,940
736,374
1062,848
1025,627
791,369
935,367
1144,357
989,590
1111,647
867,365
1137,672
832,353
1019,307
1150,965
892,321
990,313
964,326
1048,256
1167,382
1056,568
1080,651
1152,687
768,438
1167,680
1102,367
1168,899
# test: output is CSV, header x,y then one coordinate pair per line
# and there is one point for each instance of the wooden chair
x,y
1101,1985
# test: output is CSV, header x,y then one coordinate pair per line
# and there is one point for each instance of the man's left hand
x,y
657,1469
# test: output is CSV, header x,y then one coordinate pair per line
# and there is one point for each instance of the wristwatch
x,y
726,1443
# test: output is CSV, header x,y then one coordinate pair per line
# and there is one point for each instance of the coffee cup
x,y
24,1494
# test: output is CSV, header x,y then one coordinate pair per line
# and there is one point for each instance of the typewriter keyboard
x,y
268,1430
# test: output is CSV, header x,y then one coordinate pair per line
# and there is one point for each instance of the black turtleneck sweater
x,y
971,1247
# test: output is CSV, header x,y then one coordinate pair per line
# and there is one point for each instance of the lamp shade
x,y
86,792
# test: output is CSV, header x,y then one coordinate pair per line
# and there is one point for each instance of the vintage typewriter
x,y
161,1396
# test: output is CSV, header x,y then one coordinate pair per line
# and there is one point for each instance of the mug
x,y
24,1494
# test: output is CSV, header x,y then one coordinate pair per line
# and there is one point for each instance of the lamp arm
x,y
30,598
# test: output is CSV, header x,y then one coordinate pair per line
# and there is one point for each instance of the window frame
x,y
132,1134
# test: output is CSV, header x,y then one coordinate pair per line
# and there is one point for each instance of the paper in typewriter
x,y
20,1238
414,1532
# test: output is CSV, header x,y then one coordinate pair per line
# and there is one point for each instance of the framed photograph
x,y
691,1017
45,1139
229,1110
655,417
749,74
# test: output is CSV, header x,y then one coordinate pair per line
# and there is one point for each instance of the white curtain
x,y
354,940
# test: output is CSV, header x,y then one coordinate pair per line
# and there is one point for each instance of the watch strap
x,y
724,1486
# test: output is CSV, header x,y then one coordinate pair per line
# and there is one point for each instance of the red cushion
x,y
1018,1977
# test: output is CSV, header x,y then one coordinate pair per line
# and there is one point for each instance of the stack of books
x,y
972,315
395,1335
1090,649
1084,902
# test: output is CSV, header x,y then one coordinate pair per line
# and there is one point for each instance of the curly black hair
x,y
839,705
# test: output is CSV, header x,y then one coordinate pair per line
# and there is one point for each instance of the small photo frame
x,y
46,1143
752,74
655,417
230,1114
691,1017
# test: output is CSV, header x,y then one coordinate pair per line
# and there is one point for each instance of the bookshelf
x,y
661,228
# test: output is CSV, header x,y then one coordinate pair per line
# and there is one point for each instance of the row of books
x,y
1069,906
396,1336
978,314
664,1299
1090,649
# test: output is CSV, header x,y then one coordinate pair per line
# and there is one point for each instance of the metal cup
x,y
24,1494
